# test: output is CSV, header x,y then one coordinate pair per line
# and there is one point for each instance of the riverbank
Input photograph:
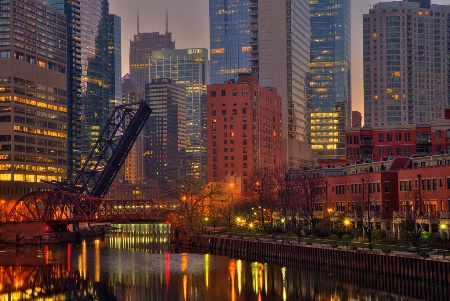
x,y
425,267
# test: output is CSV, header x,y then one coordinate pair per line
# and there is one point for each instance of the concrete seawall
x,y
396,264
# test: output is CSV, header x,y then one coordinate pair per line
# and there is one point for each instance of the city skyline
x,y
189,24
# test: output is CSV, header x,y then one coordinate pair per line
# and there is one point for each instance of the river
x,y
137,262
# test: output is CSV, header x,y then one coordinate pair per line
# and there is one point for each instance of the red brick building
x,y
346,194
244,128
384,142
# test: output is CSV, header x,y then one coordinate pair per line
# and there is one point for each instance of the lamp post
x,y
251,228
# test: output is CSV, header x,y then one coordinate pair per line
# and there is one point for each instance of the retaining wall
x,y
374,261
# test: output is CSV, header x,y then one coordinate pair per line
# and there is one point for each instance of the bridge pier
x,y
10,232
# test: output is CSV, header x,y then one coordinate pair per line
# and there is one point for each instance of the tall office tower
x,y
165,131
141,48
406,71
189,68
115,57
330,77
95,64
88,74
274,44
133,167
229,39
33,97
244,129
71,9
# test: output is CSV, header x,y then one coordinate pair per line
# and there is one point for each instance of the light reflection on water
x,y
138,263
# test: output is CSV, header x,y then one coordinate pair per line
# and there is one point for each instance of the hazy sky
x,y
189,21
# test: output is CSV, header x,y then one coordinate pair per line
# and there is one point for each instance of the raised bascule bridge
x,y
83,200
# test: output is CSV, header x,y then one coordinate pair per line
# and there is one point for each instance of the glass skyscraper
x,y
89,72
229,39
269,38
330,77
189,68
115,57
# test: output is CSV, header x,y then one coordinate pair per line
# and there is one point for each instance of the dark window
x,y
234,92
224,93
213,93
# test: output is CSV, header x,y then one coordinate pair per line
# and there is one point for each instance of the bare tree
x,y
190,198
308,185
264,188
364,208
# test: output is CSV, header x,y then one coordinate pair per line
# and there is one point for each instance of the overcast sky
x,y
189,21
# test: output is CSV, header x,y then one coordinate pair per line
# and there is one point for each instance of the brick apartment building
x,y
244,129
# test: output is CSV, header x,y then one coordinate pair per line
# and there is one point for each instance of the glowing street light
x,y
251,228
346,223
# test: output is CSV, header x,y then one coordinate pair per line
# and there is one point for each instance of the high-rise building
x,y
33,97
406,70
330,77
141,48
115,57
74,71
88,74
190,69
133,168
271,40
165,132
244,129
230,48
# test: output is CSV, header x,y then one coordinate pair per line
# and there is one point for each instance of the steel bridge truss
x,y
62,206
109,153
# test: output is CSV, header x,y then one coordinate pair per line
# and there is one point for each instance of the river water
x,y
137,262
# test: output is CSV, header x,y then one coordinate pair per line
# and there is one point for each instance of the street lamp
x,y
251,228
346,223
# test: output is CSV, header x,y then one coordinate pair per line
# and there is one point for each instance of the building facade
x,y
244,129
165,131
274,35
88,74
115,60
406,73
190,69
230,47
33,98
141,48
133,168
372,144
330,77
74,71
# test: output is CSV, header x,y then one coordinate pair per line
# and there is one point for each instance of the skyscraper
x,y
73,22
271,39
141,48
33,97
330,77
189,68
115,57
229,39
406,72
165,131
88,74
133,168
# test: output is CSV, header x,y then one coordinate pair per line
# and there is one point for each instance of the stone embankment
x,y
434,268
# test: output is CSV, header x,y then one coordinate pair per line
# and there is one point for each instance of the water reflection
x,y
136,264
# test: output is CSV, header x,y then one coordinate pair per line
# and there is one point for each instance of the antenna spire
x,y
167,21
138,22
